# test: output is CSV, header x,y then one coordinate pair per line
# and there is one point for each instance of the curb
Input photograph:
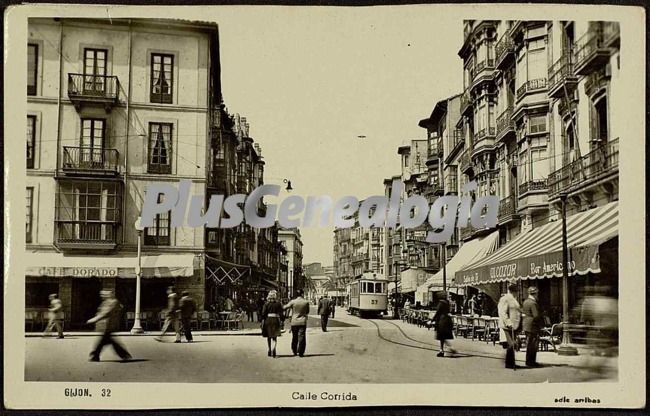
x,y
146,334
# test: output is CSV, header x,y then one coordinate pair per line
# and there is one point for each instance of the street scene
x,y
480,244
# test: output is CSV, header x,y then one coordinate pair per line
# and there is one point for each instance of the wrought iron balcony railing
x,y
86,234
507,208
465,161
90,160
465,102
104,89
590,51
594,165
531,86
561,74
504,49
451,183
534,185
505,123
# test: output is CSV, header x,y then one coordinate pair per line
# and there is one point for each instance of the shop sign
x,y
92,271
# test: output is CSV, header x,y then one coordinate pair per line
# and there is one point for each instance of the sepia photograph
x,y
325,204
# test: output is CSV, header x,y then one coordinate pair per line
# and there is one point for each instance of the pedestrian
x,y
473,305
55,316
444,327
272,315
108,321
332,308
299,312
324,311
171,315
509,323
260,306
187,308
532,323
407,304
250,309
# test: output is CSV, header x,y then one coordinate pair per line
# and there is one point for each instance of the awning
x,y
538,253
270,283
58,265
468,253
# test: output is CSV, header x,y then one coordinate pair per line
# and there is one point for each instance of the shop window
x,y
162,78
158,234
32,68
37,294
29,208
160,148
31,140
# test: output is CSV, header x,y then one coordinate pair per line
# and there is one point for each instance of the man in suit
x,y
187,307
108,321
171,315
532,323
333,307
299,312
324,311
509,323
55,316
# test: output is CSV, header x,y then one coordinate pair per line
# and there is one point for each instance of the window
x,y
537,67
29,215
162,78
95,71
92,141
160,148
32,68
88,211
539,163
31,132
537,124
158,235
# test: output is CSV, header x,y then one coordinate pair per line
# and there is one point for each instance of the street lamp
x,y
565,348
137,326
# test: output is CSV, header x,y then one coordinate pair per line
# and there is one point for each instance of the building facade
x,y
112,108
291,239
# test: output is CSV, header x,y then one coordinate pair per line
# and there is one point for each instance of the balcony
x,y
590,51
86,235
465,102
562,79
93,90
594,167
504,51
505,124
92,161
466,163
508,210
535,185
482,71
484,140
457,141
529,87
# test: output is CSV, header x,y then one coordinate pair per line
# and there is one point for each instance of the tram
x,y
368,295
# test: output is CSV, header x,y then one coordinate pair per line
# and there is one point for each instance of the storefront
x,y
468,253
534,257
78,279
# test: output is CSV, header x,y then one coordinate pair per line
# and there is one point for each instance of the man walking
x,y
55,316
532,323
333,307
509,323
171,316
299,312
108,321
324,311
187,307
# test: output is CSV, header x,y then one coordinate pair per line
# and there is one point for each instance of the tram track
x,y
384,338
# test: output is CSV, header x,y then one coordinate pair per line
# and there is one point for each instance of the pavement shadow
x,y
319,355
132,360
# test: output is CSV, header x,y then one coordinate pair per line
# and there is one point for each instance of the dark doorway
x,y
85,300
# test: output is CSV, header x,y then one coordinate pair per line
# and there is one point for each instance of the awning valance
x,y
221,271
468,253
59,265
538,253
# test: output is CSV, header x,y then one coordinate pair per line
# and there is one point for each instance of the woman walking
x,y
444,327
272,313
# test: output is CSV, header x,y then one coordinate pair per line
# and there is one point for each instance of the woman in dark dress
x,y
272,313
444,327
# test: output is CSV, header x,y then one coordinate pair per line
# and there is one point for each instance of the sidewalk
x,y
467,346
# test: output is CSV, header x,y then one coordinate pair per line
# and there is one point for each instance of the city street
x,y
352,351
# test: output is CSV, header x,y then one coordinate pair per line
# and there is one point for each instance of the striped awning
x,y
537,253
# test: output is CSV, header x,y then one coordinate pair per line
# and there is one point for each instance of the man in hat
x,y
108,321
324,312
171,315
509,323
532,323
55,316
187,307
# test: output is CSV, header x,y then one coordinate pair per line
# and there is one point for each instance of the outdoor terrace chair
x,y
194,321
463,326
550,336
146,318
491,331
161,318
130,317
30,319
205,319
45,318
478,328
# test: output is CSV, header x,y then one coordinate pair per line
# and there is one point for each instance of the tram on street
x,y
368,295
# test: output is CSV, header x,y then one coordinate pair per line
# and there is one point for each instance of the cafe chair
x,y
161,318
30,319
550,336
130,318
205,320
194,321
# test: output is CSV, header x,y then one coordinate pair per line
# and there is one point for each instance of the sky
x,y
310,80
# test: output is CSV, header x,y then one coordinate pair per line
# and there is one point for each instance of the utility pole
x,y
565,348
